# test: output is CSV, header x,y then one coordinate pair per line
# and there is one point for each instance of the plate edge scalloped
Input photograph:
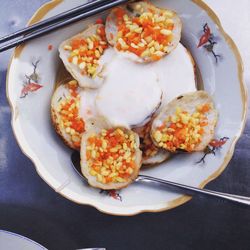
x,y
44,9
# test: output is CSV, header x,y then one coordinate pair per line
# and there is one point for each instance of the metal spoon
x,y
189,190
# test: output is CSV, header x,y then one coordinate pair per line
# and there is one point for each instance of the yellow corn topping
x,y
86,52
69,119
111,155
182,130
147,35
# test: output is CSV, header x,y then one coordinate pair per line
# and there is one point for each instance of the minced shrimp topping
x,y
146,144
86,52
147,35
182,130
68,110
111,155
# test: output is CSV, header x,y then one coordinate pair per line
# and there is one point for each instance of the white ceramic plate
x,y
12,241
34,133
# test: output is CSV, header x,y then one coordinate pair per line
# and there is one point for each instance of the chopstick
x,y
52,20
75,17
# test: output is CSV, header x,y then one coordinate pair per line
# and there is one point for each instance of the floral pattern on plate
x,y
53,161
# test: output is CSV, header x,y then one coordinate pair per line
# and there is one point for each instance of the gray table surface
x,y
29,207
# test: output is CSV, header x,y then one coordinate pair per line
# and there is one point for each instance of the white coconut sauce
x,y
87,104
131,91
130,94
176,74
88,96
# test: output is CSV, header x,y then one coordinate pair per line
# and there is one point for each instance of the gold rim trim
x,y
38,16
183,199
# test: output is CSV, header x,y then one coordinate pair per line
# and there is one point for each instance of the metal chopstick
x,y
52,20
49,29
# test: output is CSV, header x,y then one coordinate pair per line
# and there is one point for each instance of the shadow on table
x,y
30,223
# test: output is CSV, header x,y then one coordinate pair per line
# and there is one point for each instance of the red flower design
x,y
218,143
31,84
112,193
213,146
207,41
205,37
30,87
115,195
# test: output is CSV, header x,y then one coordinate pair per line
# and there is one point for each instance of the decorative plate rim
x,y
43,10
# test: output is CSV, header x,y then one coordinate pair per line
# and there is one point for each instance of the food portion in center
x,y
131,93
110,158
134,105
144,31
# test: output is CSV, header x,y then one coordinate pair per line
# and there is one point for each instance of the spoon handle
x,y
189,190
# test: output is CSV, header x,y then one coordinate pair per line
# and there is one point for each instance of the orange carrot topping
x,y
50,47
111,155
147,36
182,130
204,108
99,21
68,111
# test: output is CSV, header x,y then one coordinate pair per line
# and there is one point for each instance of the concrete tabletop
x,y
28,206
